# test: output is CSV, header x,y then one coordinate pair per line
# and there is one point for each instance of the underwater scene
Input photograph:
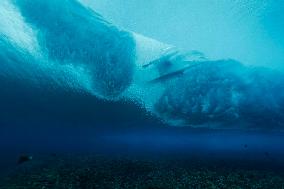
x,y
157,94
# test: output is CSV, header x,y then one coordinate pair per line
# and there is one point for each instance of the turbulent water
x,y
64,48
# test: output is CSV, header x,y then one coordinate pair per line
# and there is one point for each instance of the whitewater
x,y
64,46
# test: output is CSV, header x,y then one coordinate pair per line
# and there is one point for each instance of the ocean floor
x,y
85,171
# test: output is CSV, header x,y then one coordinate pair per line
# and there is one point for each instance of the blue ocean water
x,y
197,77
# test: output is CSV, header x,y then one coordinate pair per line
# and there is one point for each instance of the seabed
x,y
85,171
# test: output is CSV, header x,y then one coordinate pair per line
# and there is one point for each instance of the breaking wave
x,y
54,46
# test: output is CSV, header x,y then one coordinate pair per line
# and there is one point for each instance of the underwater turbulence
x,y
63,46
